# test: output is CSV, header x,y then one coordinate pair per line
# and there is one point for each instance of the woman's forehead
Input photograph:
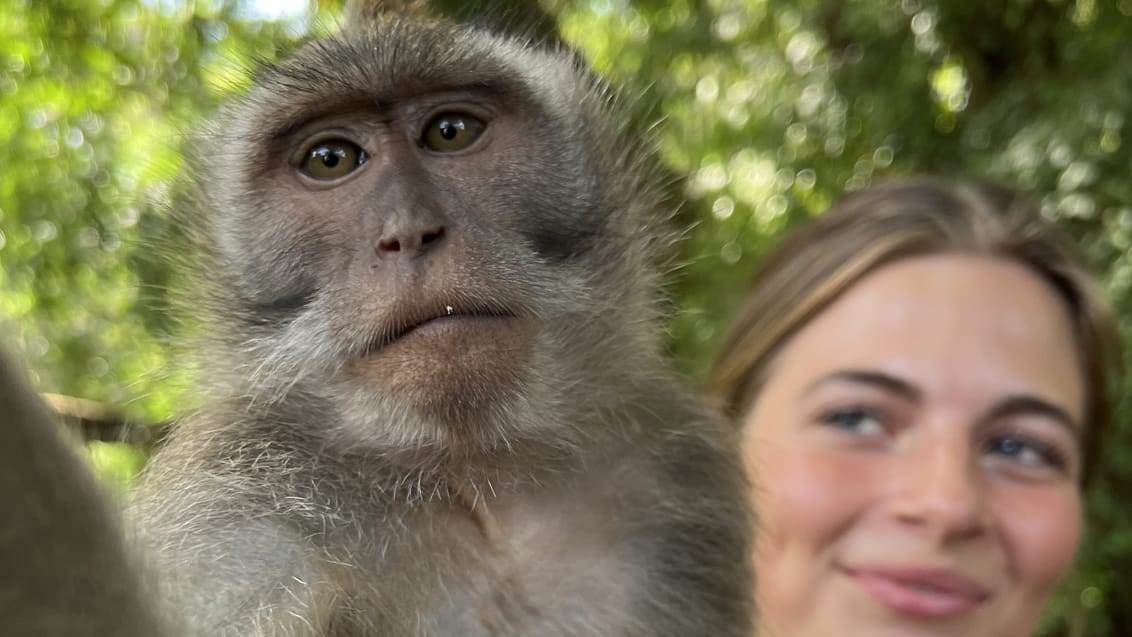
x,y
942,321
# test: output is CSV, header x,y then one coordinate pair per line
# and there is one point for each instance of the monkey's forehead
x,y
386,62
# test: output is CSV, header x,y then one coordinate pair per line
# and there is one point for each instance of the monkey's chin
x,y
452,367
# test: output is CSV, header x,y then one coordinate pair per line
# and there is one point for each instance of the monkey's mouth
x,y
425,320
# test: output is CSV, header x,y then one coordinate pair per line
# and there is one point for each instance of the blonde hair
x,y
907,218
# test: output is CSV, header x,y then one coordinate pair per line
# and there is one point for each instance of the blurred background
x,y
770,110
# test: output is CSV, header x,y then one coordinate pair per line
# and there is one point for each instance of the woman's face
x,y
915,453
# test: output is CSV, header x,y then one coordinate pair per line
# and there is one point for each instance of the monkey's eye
x,y
332,160
449,132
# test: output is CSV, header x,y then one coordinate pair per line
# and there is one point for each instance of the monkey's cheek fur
x,y
470,362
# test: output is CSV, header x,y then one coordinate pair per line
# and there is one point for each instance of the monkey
x,y
434,396
66,567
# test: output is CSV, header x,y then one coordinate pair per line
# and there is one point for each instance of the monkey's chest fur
x,y
574,558
550,565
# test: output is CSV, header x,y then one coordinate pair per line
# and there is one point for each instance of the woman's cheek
x,y
1043,528
805,496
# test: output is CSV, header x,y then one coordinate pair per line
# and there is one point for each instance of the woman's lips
x,y
926,593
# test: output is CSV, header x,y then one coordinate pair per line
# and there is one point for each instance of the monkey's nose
x,y
410,243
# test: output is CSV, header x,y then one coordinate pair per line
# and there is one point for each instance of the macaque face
x,y
424,238
916,455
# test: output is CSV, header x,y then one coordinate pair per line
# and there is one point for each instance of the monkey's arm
x,y
65,569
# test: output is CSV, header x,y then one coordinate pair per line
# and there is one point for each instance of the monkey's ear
x,y
366,11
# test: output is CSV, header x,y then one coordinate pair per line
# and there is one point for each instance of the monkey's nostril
x,y
389,245
432,236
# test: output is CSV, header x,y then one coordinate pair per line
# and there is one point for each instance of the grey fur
x,y
561,483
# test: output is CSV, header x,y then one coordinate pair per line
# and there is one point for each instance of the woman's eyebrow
x,y
877,379
1024,405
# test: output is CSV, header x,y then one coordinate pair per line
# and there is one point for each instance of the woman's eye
x,y
449,132
330,160
1026,451
856,420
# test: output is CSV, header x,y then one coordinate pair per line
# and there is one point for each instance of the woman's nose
x,y
939,489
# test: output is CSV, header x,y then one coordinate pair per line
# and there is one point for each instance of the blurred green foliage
x,y
771,108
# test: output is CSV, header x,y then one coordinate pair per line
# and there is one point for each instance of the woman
x,y
921,376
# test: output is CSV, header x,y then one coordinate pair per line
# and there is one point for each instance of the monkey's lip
x,y
443,318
